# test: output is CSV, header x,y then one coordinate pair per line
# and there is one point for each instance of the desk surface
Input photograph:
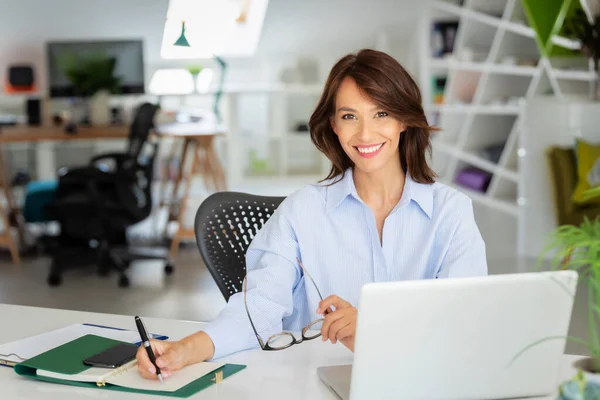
x,y
289,374
25,133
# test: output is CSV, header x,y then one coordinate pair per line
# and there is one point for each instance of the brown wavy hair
x,y
385,82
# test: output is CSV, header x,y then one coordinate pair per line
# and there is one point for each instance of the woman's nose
x,y
364,131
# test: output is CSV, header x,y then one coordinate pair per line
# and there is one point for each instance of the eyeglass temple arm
x,y
260,341
310,277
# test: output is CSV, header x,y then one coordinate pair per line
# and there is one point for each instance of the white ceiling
x,y
290,27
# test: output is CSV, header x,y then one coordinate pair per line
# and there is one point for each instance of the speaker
x,y
34,111
20,79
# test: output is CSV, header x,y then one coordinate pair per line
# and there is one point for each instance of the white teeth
x,y
369,149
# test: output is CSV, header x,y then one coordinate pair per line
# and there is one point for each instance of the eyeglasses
x,y
283,340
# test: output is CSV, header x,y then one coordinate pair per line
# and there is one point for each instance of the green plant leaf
x,y
538,342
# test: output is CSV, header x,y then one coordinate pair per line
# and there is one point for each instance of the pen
x,y
146,344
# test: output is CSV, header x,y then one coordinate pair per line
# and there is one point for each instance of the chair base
x,y
107,259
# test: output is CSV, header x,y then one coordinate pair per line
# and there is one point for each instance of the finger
x,y
330,301
346,332
158,347
145,367
171,359
328,320
336,327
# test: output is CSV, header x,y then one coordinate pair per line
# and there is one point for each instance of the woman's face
x,y
368,135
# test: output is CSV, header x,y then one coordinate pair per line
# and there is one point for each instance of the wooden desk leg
x,y
6,238
182,232
217,171
176,183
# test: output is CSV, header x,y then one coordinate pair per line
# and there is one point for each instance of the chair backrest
x,y
140,128
225,224
134,177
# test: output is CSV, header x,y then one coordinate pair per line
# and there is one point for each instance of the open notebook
x,y
129,377
14,352
64,364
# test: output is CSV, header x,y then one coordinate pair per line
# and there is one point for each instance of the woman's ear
x,y
332,123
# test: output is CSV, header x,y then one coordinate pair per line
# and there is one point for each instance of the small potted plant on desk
x,y
93,80
578,248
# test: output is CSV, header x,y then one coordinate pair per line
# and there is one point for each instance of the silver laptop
x,y
458,338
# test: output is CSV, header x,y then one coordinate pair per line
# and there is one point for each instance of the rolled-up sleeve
x,y
465,255
272,274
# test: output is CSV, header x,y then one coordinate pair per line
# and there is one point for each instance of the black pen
x,y
146,344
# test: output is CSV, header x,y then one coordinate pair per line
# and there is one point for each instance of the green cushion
x,y
588,171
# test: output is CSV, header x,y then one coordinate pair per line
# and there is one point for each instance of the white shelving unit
x,y
290,153
494,68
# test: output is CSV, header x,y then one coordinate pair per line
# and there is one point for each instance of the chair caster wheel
x,y
169,269
54,280
124,281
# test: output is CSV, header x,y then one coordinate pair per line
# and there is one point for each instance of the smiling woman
x,y
371,107
379,216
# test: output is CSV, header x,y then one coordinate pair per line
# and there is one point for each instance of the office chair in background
x,y
96,204
225,224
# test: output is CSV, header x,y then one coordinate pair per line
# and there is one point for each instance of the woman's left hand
x,y
339,324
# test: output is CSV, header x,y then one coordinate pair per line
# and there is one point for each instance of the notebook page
x,y
38,344
92,374
131,378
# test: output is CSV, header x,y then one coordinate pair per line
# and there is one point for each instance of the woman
x,y
378,216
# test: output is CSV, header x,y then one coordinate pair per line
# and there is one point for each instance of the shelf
x,y
575,75
483,18
519,29
472,159
449,63
476,161
566,43
504,205
477,109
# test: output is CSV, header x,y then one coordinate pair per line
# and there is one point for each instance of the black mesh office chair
x,y
96,204
226,223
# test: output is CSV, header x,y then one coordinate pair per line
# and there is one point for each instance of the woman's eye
x,y
347,116
382,114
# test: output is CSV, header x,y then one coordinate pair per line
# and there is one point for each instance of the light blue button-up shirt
x,y
431,233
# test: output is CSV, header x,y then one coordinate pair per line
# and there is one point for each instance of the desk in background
x,y
196,137
289,374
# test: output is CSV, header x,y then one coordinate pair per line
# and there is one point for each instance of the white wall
x,y
325,29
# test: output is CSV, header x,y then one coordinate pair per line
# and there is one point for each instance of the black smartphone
x,y
113,357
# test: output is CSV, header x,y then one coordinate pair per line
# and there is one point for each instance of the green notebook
x,y
64,364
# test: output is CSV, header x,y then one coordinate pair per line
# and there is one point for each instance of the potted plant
x,y
93,79
587,31
578,248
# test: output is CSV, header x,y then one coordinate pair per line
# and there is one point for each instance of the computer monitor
x,y
129,68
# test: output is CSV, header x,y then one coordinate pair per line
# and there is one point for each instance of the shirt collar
x,y
422,194
339,190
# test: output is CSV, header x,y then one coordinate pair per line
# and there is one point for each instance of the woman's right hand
x,y
170,356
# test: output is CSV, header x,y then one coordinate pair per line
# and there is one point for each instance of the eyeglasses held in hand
x,y
283,340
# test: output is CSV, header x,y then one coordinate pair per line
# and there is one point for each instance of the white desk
x,y
289,374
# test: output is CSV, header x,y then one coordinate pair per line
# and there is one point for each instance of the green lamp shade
x,y
182,41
